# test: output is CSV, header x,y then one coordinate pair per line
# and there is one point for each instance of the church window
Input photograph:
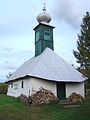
x,y
11,85
22,84
46,35
37,36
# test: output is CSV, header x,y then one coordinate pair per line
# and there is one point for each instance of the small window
x,y
22,84
46,35
37,36
10,85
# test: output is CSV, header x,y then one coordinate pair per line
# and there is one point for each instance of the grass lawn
x,y
12,109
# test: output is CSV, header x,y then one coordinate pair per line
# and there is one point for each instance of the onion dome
x,y
44,17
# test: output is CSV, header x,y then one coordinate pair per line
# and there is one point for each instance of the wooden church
x,y
46,69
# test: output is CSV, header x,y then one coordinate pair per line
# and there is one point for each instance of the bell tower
x,y
43,33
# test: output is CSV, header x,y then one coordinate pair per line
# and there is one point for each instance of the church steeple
x,y
43,33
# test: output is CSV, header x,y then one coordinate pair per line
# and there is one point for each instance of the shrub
x,y
87,84
3,88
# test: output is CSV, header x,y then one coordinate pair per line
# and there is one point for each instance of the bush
x,y
3,88
87,84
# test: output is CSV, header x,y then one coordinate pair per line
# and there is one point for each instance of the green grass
x,y
12,109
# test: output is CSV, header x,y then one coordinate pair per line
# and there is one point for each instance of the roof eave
x,y
74,81
43,24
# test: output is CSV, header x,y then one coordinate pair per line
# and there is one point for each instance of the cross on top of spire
x,y
44,17
44,6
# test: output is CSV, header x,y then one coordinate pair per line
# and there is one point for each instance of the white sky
x,y
17,20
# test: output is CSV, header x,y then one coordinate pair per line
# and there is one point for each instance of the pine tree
x,y
83,45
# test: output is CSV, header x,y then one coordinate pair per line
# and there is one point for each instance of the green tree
x,y
83,47
3,88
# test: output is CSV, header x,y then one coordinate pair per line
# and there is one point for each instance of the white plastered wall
x,y
17,92
38,83
75,87
31,85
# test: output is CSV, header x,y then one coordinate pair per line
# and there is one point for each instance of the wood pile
x,y
23,98
43,96
74,97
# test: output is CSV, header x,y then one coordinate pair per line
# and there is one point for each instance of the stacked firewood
x,y
43,96
74,97
23,98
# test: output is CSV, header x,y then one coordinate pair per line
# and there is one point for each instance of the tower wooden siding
x,y
42,43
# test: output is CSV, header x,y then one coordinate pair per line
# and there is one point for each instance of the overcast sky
x,y
17,20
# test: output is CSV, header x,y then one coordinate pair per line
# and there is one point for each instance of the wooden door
x,y
61,91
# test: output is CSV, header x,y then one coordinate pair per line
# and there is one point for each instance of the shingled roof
x,y
49,66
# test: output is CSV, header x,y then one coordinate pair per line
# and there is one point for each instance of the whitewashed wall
x,y
75,87
17,92
31,85
38,83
